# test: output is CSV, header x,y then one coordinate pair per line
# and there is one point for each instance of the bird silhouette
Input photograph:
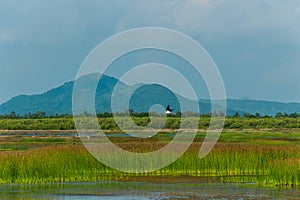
x,y
169,110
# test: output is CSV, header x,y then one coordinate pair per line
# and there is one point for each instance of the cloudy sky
x,y
255,43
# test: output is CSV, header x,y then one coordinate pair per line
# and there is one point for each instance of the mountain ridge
x,y
59,100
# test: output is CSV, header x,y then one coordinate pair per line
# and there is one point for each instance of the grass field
x,y
268,157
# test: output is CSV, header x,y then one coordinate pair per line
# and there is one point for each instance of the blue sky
x,y
255,43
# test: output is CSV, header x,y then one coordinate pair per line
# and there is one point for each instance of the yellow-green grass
x,y
260,157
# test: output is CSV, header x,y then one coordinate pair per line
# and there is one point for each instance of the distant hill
x,y
262,107
59,100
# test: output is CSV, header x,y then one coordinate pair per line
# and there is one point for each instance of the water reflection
x,y
144,190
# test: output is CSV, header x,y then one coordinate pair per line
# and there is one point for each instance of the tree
x,y
221,113
214,114
38,114
178,114
12,115
257,115
236,115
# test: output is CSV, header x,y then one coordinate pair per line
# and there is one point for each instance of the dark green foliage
x,y
259,123
173,122
37,124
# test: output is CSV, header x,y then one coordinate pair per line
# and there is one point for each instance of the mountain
x,y
262,107
59,100
140,99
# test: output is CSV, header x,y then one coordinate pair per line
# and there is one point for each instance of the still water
x,y
144,190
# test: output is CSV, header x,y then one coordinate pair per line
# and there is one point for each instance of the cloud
x,y
51,22
6,36
243,37
219,21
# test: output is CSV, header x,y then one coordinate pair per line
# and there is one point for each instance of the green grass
x,y
43,140
262,157
13,147
261,164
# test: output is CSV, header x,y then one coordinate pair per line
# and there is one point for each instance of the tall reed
x,y
229,161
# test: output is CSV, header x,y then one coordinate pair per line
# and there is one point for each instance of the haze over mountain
x,y
142,97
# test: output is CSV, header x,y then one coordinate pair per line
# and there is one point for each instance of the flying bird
x,y
169,110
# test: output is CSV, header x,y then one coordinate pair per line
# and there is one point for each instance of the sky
x,y
254,43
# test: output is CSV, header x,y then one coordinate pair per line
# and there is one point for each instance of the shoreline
x,y
148,130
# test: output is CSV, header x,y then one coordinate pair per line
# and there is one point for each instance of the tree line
x,y
41,121
41,115
109,123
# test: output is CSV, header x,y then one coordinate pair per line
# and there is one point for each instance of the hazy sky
x,y
255,43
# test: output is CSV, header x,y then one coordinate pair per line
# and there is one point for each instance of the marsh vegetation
x,y
266,157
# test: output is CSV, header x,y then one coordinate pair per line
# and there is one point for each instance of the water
x,y
145,190
64,134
